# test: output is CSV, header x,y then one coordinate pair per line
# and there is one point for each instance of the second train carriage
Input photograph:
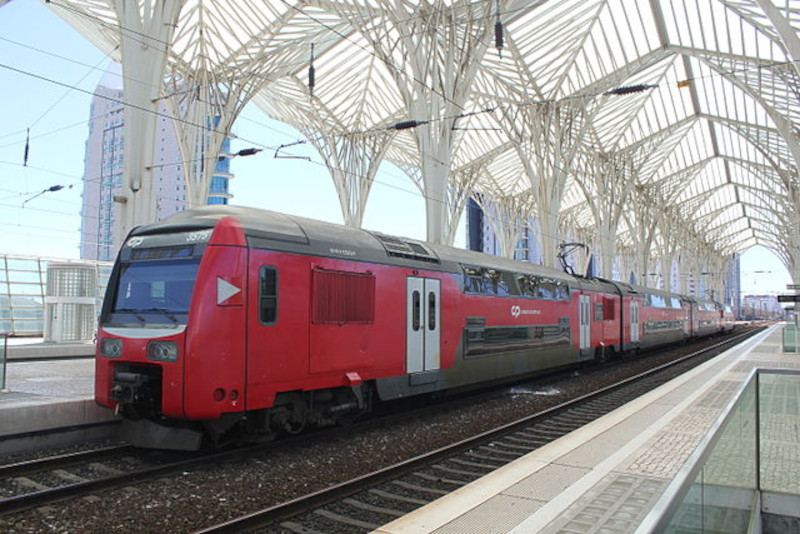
x,y
234,321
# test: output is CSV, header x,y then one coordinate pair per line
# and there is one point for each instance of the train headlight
x,y
162,351
111,347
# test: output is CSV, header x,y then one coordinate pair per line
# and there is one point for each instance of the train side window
x,y
546,290
492,284
415,311
268,295
598,312
527,285
473,280
431,311
562,291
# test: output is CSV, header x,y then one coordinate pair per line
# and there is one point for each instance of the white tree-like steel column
x,y
146,32
353,161
547,136
226,57
607,181
643,222
507,214
439,46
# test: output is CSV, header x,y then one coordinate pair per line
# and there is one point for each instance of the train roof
x,y
288,233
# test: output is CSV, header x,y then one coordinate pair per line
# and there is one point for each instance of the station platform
x,y
43,395
614,475
28,348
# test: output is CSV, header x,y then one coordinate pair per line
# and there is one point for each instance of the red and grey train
x,y
227,322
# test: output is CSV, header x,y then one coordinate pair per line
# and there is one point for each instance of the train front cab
x,y
173,299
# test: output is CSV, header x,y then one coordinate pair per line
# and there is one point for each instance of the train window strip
x,y
268,295
657,326
341,297
497,283
163,253
482,341
654,300
598,312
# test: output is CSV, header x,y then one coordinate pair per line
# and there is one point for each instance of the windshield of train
x,y
154,292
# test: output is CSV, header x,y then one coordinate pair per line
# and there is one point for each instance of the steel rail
x,y
62,460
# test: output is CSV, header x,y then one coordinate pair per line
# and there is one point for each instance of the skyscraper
x,y
104,165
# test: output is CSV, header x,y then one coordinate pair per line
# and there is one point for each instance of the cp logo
x,y
515,311
135,241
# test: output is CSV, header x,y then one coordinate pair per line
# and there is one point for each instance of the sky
x,y
47,74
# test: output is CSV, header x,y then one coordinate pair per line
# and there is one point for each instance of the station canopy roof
x,y
701,98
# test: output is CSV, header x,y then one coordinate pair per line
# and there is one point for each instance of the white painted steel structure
x,y
519,102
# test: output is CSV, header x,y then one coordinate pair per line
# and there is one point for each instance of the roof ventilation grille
x,y
400,248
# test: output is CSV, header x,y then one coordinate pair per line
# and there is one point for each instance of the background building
x,y
104,164
761,307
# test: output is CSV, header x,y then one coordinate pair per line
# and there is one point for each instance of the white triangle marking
x,y
225,290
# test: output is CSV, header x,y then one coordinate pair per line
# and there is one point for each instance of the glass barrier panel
x,y
722,496
779,395
790,340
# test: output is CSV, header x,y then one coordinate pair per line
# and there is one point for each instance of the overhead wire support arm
x,y
278,155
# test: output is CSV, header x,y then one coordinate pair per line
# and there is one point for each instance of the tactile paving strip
x,y
664,456
615,506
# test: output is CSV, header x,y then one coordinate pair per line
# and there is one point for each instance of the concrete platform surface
x,y
609,475
21,348
51,394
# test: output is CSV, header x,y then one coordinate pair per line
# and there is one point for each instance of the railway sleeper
x,y
374,509
523,448
440,480
493,449
488,458
339,518
400,498
476,465
419,489
461,472
297,528
69,477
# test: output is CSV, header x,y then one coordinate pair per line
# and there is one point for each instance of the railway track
x,y
367,502
35,483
